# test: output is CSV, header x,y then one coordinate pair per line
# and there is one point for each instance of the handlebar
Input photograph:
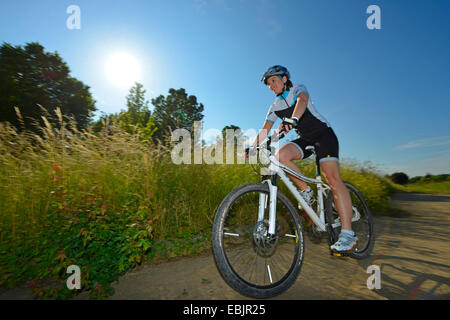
x,y
279,135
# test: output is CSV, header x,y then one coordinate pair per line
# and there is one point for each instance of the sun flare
x,y
122,69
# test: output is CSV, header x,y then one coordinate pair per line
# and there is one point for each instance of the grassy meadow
x,y
431,187
107,202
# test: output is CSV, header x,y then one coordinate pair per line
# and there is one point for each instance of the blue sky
x,y
385,92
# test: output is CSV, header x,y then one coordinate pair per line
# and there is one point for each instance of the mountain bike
x,y
258,239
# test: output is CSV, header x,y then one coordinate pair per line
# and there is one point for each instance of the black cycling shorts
x,y
325,144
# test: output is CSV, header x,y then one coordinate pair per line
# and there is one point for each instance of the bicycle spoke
x,y
275,267
269,274
255,266
231,234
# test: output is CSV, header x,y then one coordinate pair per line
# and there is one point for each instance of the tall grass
x,y
107,201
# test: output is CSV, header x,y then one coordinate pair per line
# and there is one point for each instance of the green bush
x,y
399,178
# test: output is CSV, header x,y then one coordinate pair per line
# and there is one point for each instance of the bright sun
x,y
122,69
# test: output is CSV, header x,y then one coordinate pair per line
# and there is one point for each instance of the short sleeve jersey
x,y
310,123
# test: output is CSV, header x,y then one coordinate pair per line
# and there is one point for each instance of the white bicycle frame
x,y
277,168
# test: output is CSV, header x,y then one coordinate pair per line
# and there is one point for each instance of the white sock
x,y
349,232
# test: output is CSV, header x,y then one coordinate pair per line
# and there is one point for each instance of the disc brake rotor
x,y
265,244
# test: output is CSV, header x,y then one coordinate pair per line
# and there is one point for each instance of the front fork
x,y
273,189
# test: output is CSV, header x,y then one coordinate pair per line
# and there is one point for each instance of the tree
x,y
176,111
399,178
137,117
29,76
137,105
238,136
237,140
232,127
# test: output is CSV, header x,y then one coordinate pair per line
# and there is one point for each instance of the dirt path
x,y
411,249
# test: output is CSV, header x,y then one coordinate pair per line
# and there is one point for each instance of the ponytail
x,y
289,85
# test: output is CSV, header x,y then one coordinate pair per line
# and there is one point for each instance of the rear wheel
x,y
362,222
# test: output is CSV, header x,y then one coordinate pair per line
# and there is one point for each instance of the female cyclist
x,y
294,103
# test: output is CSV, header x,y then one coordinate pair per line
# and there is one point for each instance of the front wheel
x,y
362,222
252,261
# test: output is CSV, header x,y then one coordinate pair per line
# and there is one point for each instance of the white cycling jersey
x,y
310,123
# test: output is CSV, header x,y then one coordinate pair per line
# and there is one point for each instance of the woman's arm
x,y
300,107
263,133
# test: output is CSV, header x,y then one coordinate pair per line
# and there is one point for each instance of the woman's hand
x,y
288,124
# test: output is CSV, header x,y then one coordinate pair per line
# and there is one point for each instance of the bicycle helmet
x,y
273,71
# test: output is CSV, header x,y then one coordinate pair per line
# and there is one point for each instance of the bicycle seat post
x,y
313,150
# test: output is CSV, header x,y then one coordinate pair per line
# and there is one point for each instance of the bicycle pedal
x,y
340,254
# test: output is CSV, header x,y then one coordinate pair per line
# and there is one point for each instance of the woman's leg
x,y
330,170
286,155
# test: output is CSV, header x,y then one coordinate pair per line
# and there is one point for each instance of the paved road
x,y
411,249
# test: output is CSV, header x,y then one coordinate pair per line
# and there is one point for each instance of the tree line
x,y
402,178
37,82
